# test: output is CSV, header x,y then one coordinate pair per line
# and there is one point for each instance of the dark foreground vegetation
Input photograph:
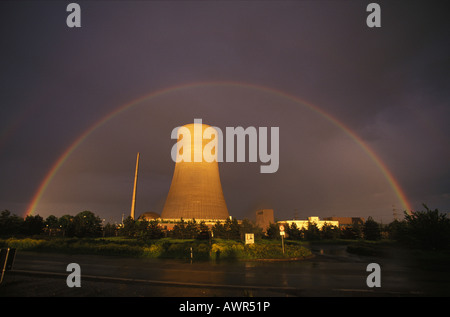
x,y
214,249
85,233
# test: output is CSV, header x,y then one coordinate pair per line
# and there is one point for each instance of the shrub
x,y
153,251
371,230
235,250
23,244
426,229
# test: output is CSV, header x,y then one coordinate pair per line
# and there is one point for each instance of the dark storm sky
x,y
389,85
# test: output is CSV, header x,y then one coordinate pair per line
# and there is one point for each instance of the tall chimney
x,y
133,202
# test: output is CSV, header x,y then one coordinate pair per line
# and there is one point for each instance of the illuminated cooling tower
x,y
196,191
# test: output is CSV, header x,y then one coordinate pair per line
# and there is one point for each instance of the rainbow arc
x,y
79,140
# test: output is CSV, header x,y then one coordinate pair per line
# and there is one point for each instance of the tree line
x,y
427,229
190,229
84,224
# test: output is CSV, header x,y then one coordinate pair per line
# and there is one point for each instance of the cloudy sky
x,y
333,86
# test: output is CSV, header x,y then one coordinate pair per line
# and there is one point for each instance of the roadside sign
x,y
249,238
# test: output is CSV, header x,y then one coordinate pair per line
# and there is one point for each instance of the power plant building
x,y
264,218
196,190
346,221
313,220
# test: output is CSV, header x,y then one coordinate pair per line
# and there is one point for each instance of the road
x,y
332,272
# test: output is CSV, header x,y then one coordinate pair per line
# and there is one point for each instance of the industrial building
x,y
346,221
195,191
264,218
313,220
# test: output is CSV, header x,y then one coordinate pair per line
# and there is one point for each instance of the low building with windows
x,y
346,221
313,220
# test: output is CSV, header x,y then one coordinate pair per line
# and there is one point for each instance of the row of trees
x,y
191,229
370,230
84,224
426,229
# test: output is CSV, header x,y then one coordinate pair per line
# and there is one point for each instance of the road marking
x,y
166,283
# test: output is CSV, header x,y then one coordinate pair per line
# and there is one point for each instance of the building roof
x,y
149,215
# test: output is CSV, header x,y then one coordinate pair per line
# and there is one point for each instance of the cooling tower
x,y
196,191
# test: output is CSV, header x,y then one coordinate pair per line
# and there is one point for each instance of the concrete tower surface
x,y
196,191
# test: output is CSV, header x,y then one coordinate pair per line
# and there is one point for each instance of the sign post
x,y
282,233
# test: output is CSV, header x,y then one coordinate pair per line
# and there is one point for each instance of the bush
x,y
235,250
371,230
153,251
227,249
23,244
181,249
425,229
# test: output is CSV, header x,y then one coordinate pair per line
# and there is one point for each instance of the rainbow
x,y
79,140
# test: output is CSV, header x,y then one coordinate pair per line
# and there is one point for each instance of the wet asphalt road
x,y
332,272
